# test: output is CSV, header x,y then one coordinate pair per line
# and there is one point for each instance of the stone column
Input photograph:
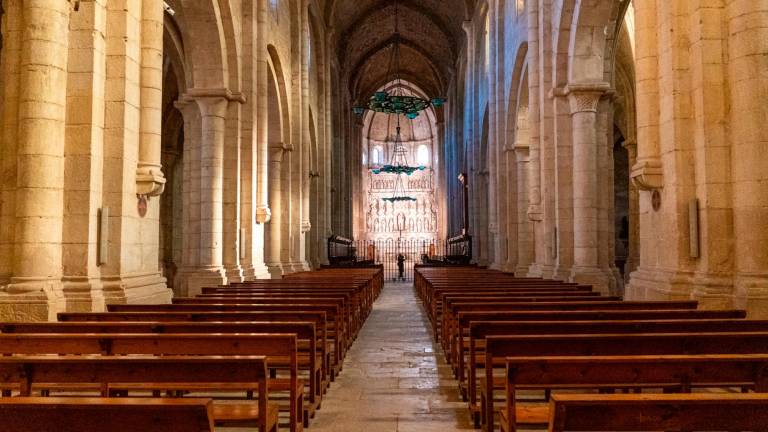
x,y
263,212
748,36
275,228
150,180
191,196
37,267
508,244
525,247
586,269
633,252
231,194
213,111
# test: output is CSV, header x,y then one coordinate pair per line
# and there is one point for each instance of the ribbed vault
x,y
430,34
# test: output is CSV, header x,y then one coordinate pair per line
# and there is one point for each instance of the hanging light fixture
x,y
399,162
397,101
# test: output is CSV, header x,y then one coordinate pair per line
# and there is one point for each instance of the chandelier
x,y
396,101
399,162
399,193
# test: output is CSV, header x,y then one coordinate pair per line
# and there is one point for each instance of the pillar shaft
x,y
40,155
586,200
747,65
149,176
213,116
275,228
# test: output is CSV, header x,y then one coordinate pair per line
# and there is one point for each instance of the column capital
x,y
211,106
225,93
584,97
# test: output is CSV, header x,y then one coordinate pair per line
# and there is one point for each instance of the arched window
x,y
422,155
365,158
377,156
273,4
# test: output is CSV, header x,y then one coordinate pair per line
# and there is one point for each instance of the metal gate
x,y
386,252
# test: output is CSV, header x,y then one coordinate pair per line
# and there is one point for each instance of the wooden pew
x,y
680,373
280,349
436,307
670,412
452,309
24,373
460,336
361,299
312,359
333,350
336,325
74,414
479,330
610,345
348,316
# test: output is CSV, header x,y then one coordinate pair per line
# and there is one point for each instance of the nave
x,y
395,378
336,349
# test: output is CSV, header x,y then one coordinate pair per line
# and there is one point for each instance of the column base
x,y
602,280
300,266
752,294
26,299
521,270
149,288
83,294
656,284
234,273
194,279
276,270
258,271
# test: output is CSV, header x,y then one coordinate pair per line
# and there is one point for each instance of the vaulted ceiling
x,y
430,37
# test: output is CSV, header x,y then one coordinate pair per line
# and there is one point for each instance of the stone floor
x,y
394,377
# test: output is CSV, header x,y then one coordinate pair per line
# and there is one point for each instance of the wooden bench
x,y
75,414
479,330
280,350
311,358
336,325
348,316
471,344
452,309
198,373
668,412
333,359
680,373
609,345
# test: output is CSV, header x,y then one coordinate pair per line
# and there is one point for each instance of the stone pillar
x,y
263,212
748,36
231,194
274,253
37,267
84,159
525,247
150,180
511,196
586,269
633,252
210,271
191,195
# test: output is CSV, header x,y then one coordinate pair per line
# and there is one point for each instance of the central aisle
x,y
392,376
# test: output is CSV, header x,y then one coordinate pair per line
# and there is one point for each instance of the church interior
x,y
431,215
